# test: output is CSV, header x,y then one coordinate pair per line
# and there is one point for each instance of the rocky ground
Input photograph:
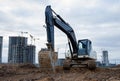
x,y
31,73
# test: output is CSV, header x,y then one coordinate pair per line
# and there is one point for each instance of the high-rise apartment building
x,y
105,58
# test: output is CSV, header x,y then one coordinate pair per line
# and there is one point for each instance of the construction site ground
x,y
27,72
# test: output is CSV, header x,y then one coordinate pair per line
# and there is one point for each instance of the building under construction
x,y
19,51
16,52
30,54
1,43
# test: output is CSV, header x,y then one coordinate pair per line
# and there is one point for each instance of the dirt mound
x,y
102,74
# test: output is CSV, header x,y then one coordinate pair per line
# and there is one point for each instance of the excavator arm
x,y
57,21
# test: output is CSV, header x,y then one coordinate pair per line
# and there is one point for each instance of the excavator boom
x,y
57,21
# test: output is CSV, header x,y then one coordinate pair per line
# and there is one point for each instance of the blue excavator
x,y
79,51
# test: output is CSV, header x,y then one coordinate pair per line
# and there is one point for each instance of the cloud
x,y
4,17
22,12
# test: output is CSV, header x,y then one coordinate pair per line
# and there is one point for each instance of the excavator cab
x,y
84,48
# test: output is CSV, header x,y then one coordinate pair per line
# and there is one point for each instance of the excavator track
x,y
91,64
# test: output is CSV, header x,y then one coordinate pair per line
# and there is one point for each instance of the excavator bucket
x,y
47,59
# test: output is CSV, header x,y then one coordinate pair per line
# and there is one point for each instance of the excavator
x,y
79,51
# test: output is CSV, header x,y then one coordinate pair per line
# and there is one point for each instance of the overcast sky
x,y
97,20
